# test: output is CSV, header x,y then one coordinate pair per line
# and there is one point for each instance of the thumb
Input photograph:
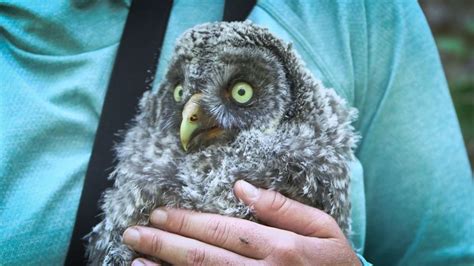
x,y
274,209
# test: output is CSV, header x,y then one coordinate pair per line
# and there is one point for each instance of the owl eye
x,y
242,92
178,93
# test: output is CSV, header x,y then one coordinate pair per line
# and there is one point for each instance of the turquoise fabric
x,y
55,61
412,185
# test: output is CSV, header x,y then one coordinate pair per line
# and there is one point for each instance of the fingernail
x,y
131,236
159,217
138,262
249,190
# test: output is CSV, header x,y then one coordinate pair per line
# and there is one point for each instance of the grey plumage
x,y
294,136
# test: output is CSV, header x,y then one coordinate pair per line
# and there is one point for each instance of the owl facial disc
x,y
196,126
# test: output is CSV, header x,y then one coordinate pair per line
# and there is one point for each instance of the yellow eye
x,y
178,93
242,92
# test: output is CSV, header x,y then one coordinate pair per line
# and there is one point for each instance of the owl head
x,y
227,77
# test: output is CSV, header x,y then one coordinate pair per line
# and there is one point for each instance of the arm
x,y
418,182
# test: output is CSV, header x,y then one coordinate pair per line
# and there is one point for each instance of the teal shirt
x,y
412,187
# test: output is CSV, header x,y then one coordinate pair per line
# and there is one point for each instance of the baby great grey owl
x,y
236,103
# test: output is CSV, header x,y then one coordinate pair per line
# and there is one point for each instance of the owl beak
x,y
195,123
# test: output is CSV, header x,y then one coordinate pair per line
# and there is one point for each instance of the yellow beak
x,y
192,118
196,124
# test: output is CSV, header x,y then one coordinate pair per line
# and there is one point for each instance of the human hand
x,y
296,235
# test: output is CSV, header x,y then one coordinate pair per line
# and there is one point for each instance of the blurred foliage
x,y
452,24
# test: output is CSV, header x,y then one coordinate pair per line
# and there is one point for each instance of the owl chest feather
x,y
282,159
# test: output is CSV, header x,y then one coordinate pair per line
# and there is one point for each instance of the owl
x,y
236,103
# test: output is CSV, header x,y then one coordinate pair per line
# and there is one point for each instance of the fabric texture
x,y
55,61
412,186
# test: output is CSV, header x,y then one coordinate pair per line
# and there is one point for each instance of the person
x,y
412,186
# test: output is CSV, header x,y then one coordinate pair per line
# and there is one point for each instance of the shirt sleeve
x,y
418,182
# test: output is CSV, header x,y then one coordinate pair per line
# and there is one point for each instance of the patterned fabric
x,y
412,186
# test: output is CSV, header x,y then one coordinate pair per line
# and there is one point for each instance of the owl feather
x,y
293,136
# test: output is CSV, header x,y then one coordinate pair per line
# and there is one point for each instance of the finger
x,y
179,250
237,235
279,211
144,262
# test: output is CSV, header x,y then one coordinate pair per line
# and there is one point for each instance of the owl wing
x,y
325,119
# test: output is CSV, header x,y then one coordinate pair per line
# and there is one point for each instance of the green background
x,y
452,23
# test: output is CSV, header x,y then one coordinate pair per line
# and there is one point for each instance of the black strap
x,y
133,73
237,10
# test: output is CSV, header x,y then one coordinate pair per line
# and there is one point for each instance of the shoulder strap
x,y
133,74
237,10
